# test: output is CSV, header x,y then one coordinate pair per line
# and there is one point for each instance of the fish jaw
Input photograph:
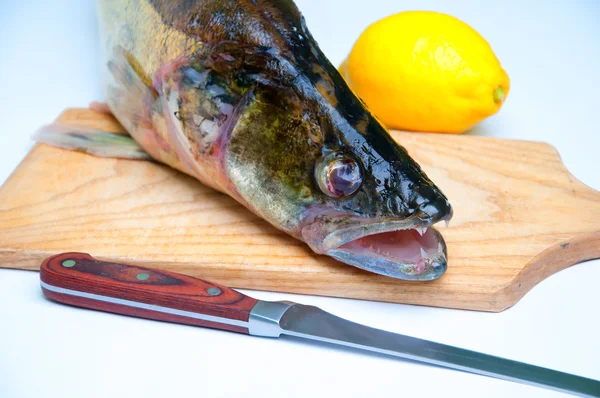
x,y
408,249
401,254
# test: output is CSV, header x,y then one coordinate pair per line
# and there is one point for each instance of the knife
x,y
80,280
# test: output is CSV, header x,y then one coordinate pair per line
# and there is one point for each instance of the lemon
x,y
426,71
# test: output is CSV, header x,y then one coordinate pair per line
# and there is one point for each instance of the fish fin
x,y
90,140
129,93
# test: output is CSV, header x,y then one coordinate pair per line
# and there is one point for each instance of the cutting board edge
x,y
558,257
579,184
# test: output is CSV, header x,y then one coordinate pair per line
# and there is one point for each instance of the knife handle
x,y
80,280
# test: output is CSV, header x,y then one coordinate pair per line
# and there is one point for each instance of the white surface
x,y
48,61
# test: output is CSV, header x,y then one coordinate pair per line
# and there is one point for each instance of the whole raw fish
x,y
237,94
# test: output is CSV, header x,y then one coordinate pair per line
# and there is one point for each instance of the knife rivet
x,y
213,291
68,263
142,276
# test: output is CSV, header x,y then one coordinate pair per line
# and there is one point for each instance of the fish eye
x,y
338,174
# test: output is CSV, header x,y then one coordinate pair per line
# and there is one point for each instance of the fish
x,y
239,95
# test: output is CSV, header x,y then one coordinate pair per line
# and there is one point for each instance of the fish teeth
x,y
441,252
421,230
440,256
447,223
423,254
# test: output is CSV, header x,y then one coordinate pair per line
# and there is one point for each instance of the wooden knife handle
x,y
79,279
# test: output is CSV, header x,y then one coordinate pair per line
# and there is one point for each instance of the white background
x,y
551,50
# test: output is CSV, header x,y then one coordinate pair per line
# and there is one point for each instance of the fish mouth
x,y
409,249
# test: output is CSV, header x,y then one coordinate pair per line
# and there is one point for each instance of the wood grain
x,y
154,287
520,216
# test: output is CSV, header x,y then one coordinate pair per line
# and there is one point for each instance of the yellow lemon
x,y
426,71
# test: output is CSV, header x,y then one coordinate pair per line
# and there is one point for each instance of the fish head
x,y
375,207
310,158
303,152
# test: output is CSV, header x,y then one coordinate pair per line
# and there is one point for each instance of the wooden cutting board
x,y
520,216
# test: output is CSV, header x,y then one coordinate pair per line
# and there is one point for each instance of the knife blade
x,y
79,279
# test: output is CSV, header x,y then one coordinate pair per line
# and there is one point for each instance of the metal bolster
x,y
265,316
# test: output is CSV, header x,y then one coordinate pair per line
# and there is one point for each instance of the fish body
x,y
237,94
